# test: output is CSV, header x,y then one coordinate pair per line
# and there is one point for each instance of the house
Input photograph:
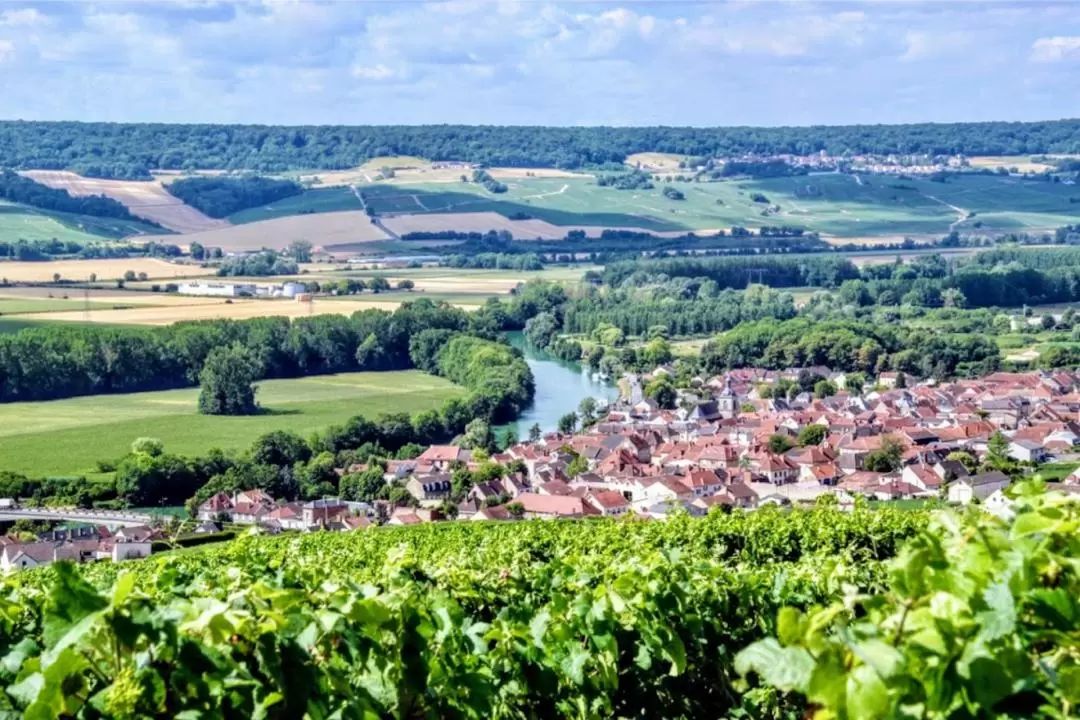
x,y
664,489
1027,451
888,380
441,457
250,506
218,505
922,477
320,512
123,549
289,516
608,502
703,482
976,487
498,512
26,555
776,469
429,489
405,517
555,506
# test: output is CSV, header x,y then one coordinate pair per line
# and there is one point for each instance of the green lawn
x,y
1056,471
69,436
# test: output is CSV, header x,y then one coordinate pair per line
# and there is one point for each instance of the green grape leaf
x,y
785,668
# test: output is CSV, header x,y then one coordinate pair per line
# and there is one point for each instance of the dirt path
x,y
961,213
359,196
560,191
375,219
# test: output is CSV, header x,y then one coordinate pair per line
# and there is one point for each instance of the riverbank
x,y
560,388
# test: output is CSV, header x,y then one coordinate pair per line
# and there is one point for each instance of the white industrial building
x,y
227,289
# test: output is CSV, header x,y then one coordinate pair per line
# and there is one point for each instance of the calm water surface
x,y
560,387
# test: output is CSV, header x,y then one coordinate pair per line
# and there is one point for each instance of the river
x,y
560,387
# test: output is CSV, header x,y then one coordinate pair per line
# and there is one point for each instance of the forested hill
x,y
131,150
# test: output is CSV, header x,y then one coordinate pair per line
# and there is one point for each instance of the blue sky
x,y
743,62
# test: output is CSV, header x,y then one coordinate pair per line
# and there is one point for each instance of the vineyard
x,y
585,619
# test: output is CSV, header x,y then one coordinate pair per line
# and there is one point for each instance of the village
x,y
729,444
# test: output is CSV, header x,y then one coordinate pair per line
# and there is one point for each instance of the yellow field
x,y
1022,163
147,200
238,309
519,173
412,170
663,162
119,297
320,229
397,162
80,270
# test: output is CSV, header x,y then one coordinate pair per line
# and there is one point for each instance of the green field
x,y
835,204
64,437
19,222
24,322
320,200
12,306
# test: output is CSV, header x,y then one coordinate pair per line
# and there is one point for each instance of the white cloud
x,y
1055,49
535,61
374,72
922,44
24,17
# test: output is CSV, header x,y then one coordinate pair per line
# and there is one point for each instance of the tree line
x,y
222,196
19,189
849,346
734,272
291,467
260,264
50,362
131,150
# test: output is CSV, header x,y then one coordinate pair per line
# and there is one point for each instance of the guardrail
x,y
106,517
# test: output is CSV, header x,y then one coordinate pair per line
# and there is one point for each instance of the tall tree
x,y
226,382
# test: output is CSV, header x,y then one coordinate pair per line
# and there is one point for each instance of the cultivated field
x,y
839,205
147,199
80,270
409,170
1023,163
320,229
70,436
243,309
655,161
103,296
29,306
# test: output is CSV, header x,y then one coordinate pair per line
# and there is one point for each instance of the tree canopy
x,y
227,381
131,150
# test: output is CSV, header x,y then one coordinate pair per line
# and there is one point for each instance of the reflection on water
x,y
560,387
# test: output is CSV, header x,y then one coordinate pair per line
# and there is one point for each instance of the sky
x,y
533,62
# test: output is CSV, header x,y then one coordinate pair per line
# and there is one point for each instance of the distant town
x,y
759,438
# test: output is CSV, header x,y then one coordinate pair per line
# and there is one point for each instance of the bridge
x,y
113,518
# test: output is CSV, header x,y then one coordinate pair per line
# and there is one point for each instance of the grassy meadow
x,y
64,437
27,223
